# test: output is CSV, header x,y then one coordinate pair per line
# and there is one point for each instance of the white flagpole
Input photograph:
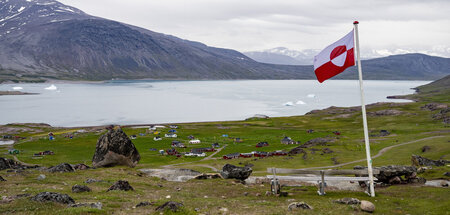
x,y
363,108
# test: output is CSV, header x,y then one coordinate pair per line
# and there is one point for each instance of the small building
x,y
173,126
141,134
238,140
172,151
194,141
173,131
261,154
279,153
309,131
224,135
152,128
261,144
288,141
7,137
13,151
153,149
231,156
133,137
200,150
191,137
336,133
157,138
215,145
171,135
156,133
245,155
178,144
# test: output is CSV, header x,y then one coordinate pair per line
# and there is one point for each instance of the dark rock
x,y
245,193
208,176
64,167
443,115
433,106
385,112
388,173
380,133
417,180
395,180
143,204
426,148
2,179
96,205
422,161
301,205
81,166
317,142
231,171
121,185
348,201
53,197
170,205
327,150
80,188
335,161
447,174
367,206
444,184
6,163
297,150
115,148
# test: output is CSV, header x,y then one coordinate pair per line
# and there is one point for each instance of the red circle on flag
x,y
337,51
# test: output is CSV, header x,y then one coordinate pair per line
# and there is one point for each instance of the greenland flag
x,y
335,58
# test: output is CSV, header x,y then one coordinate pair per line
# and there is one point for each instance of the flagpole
x,y
363,109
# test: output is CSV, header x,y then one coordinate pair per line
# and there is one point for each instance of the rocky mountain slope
x,y
44,39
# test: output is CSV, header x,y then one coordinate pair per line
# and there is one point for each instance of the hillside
x,y
44,39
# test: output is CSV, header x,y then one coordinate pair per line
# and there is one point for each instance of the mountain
x,y
282,55
44,39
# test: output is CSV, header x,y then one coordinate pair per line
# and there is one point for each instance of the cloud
x,y
296,24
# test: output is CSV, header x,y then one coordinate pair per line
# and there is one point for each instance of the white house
x,y
157,138
171,135
195,141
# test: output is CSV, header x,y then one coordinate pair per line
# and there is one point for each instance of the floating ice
x,y
17,88
311,96
51,87
289,104
300,102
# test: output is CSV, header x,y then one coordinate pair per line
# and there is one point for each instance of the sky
x,y
386,26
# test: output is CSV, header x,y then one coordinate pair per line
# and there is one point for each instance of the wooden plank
x,y
318,178
327,172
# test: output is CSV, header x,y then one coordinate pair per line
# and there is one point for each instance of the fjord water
x,y
142,102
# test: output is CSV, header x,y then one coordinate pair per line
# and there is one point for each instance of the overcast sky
x,y
386,26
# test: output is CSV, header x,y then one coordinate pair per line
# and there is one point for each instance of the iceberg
x,y
300,102
51,87
17,88
289,104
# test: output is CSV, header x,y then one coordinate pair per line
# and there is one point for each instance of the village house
x,y
215,145
157,138
191,137
173,126
231,156
238,140
178,144
133,137
245,155
262,144
172,135
288,141
200,150
194,141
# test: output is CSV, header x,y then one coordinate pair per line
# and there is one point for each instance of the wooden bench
x,y
320,178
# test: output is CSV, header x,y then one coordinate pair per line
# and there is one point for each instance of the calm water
x,y
138,102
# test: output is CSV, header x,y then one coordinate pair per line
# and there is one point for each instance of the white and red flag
x,y
335,58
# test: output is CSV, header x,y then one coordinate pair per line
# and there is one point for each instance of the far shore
x,y
11,93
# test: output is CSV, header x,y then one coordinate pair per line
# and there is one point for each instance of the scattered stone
x,y
443,115
115,148
283,194
121,185
53,197
447,174
385,112
178,189
2,179
6,163
348,201
170,205
381,133
223,210
92,180
335,161
232,171
258,194
168,197
327,150
96,205
395,180
320,141
426,149
143,204
41,177
444,184
422,161
81,166
367,206
433,106
208,176
179,175
64,167
297,150
80,188
268,193
245,193
301,205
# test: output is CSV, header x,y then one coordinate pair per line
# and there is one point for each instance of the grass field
x,y
413,123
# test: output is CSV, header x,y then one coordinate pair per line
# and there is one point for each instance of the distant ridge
x,y
44,39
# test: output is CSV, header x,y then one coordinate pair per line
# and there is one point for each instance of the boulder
x,y
143,204
301,205
121,185
92,180
393,173
41,177
115,148
348,201
64,167
208,176
232,171
2,179
53,197
6,163
317,142
422,161
170,205
426,148
447,174
80,188
367,206
81,166
96,205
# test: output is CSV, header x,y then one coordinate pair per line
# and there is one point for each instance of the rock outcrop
x,y
121,185
53,197
115,148
6,163
348,201
299,205
232,171
64,167
170,205
367,206
80,188
396,174
422,161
